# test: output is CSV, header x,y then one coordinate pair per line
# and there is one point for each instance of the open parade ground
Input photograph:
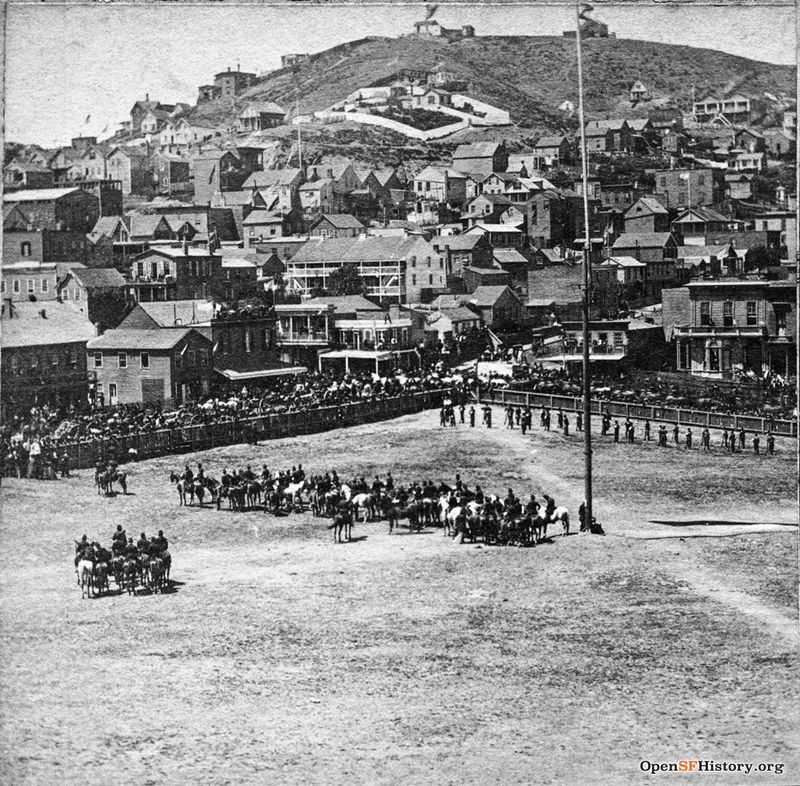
x,y
281,657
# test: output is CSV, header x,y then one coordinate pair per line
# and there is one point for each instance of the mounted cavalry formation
x,y
145,564
463,513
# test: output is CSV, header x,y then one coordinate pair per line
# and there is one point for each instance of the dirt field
x,y
281,658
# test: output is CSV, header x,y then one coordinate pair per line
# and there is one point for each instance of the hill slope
x,y
529,76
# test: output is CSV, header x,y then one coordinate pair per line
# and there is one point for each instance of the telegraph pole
x,y
586,284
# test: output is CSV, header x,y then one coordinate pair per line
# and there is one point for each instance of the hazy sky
x,y
66,62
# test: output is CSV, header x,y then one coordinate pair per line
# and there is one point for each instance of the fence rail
x,y
189,439
688,417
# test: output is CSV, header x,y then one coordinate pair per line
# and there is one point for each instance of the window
x,y
430,280
76,294
16,286
98,360
3,286
618,340
705,313
144,359
31,285
112,392
248,340
54,359
713,359
413,261
25,249
684,355
73,358
752,317
192,358
413,281
122,358
44,285
727,313
34,361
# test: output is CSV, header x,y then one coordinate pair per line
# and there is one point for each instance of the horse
x,y
157,573
561,515
180,486
197,489
117,569
364,502
85,571
291,493
342,523
118,477
166,559
131,572
100,578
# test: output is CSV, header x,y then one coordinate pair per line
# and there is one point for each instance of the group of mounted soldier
x,y
146,563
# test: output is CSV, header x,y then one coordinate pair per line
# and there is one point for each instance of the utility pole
x,y
586,285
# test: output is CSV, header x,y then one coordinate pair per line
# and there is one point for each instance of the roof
x,y
271,177
487,271
550,141
106,225
361,249
488,295
38,194
651,206
98,277
262,107
233,198
476,150
383,175
179,251
509,256
457,242
262,217
144,225
623,261
61,324
317,185
699,252
434,172
643,240
344,304
153,340
507,228
639,124
131,152
339,221
459,314
172,313
612,124
495,199
550,255
703,214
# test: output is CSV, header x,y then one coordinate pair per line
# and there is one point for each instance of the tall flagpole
x,y
586,287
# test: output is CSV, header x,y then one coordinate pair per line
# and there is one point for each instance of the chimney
x,y
147,96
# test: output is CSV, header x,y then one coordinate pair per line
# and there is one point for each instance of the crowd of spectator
x,y
31,443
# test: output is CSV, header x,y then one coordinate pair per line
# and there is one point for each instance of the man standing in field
x,y
705,440
756,443
770,443
647,431
688,439
472,417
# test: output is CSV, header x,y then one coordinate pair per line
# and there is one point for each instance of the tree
x,y
346,281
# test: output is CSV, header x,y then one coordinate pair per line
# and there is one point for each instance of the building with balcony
x,y
735,109
405,269
727,326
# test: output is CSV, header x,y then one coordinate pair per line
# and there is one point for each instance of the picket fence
x,y
189,439
687,417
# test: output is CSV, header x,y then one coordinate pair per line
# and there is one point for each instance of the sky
x,y
67,63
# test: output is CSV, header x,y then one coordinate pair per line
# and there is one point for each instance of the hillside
x,y
529,76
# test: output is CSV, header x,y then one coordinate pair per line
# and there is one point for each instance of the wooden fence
x,y
189,439
687,417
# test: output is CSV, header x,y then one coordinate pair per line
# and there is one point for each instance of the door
x,y
112,394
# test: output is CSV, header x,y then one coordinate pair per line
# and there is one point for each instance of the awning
x,y
238,376
363,353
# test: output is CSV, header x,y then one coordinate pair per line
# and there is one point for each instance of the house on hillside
x,y
647,214
638,92
318,196
20,174
698,223
498,306
481,157
440,185
659,250
461,251
258,116
608,136
553,150
336,225
133,168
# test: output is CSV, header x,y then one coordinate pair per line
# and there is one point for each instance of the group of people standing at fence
x,y
733,441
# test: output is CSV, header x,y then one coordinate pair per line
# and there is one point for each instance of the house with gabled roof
x,y
133,168
440,185
260,115
553,150
335,225
638,92
607,136
481,158
498,306
697,223
98,293
168,367
659,250
647,214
